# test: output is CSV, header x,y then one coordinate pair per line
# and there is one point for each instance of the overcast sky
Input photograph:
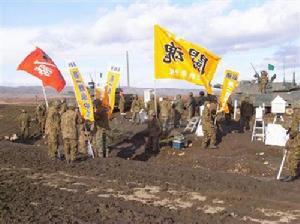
x,y
96,34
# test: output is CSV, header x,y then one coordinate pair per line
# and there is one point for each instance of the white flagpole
x,y
281,166
45,96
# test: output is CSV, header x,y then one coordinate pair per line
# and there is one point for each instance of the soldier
x,y
121,103
151,106
154,129
68,124
136,106
24,120
63,106
52,129
101,125
246,113
41,117
200,102
164,113
208,127
191,105
263,81
230,111
293,146
178,109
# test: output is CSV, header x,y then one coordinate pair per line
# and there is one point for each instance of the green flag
x,y
270,67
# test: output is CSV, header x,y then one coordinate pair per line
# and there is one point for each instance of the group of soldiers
x,y
62,124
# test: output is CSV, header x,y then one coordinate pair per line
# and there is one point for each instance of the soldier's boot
x,y
288,178
213,146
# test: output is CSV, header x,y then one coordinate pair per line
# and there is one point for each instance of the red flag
x,y
39,64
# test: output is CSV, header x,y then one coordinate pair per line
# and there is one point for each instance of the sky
x,y
97,34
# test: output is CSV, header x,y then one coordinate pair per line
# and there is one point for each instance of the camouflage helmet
x,y
72,105
201,93
23,111
56,103
297,105
191,94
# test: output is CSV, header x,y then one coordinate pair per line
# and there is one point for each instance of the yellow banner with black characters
x,y
176,58
230,83
82,94
113,77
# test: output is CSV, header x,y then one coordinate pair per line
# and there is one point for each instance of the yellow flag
x,y
82,94
113,77
230,83
175,58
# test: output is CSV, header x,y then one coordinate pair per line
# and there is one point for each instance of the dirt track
x,y
228,185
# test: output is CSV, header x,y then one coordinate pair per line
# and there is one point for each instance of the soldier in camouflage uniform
x,y
154,129
191,105
293,146
99,129
178,110
246,113
122,103
68,124
52,128
200,102
63,106
41,111
208,127
151,106
164,113
263,81
136,106
24,120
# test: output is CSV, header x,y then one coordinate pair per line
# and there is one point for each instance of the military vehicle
x,y
289,91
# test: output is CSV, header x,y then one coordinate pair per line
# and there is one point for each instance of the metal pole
x,y
281,165
155,102
45,96
127,62
235,108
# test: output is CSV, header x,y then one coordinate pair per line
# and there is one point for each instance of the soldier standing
x,y
200,102
41,117
191,105
121,103
52,129
24,120
178,109
164,113
246,112
151,106
101,125
154,129
135,109
68,124
293,146
263,81
208,127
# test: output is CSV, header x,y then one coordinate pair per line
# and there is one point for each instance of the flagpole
x,y
155,102
45,96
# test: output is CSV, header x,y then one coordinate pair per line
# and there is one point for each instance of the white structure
x,y
147,95
278,106
276,135
259,125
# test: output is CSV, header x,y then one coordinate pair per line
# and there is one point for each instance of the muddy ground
x,y
233,184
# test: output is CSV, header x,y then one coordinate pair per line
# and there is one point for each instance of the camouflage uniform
x,y
208,126
69,121
164,113
101,124
154,129
63,106
52,129
136,106
200,102
122,103
24,120
263,81
191,105
293,144
178,109
246,112
41,117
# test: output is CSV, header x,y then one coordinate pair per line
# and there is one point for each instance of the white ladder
x,y
258,130
192,125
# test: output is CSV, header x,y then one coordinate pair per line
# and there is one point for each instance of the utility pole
x,y
127,62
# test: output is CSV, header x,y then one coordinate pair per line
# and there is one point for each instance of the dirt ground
x,y
233,184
